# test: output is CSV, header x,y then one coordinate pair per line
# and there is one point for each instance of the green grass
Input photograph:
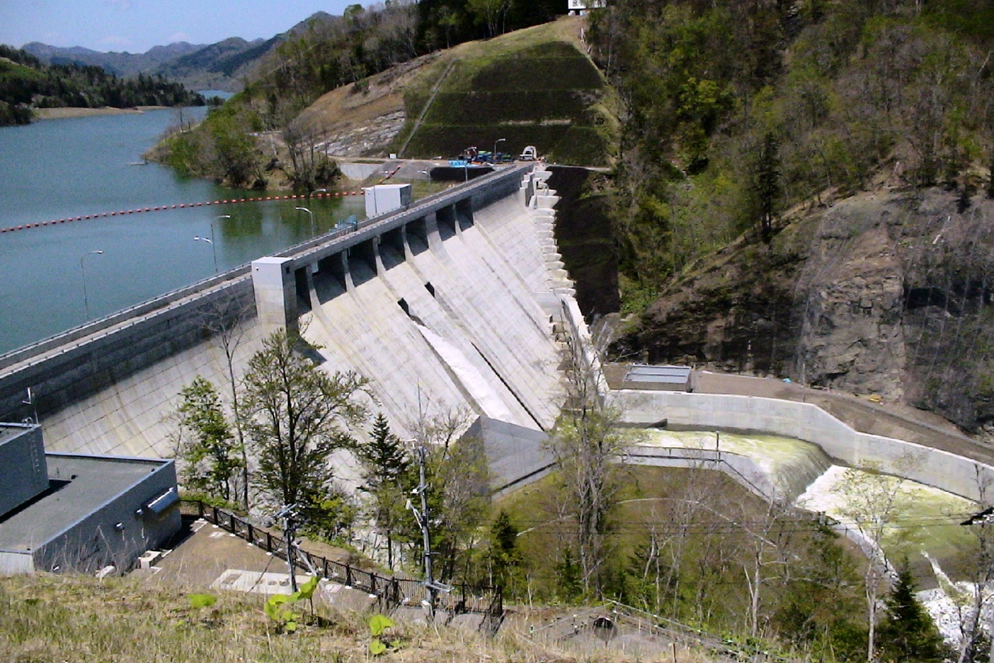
x,y
532,87
53,619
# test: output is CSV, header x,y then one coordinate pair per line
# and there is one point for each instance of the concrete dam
x,y
457,305
450,306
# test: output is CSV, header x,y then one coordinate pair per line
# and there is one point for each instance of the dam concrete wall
x,y
448,306
804,421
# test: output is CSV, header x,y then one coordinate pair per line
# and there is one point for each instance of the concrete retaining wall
x,y
516,455
742,469
64,375
810,423
16,563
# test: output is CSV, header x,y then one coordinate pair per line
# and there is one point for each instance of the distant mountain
x,y
220,66
119,64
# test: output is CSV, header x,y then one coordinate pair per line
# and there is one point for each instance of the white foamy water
x,y
790,464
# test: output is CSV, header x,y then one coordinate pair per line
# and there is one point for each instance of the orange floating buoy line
x,y
163,208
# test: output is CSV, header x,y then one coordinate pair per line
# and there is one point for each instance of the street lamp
x,y
82,271
316,191
198,238
304,209
499,140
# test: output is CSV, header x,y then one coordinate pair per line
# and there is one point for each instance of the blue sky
x,y
137,25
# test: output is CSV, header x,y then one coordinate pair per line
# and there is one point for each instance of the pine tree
x,y
384,458
908,633
385,475
504,554
767,183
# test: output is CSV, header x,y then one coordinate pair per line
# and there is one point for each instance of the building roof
x,y
10,430
79,486
658,374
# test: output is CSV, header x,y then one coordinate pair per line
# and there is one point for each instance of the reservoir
x,y
55,277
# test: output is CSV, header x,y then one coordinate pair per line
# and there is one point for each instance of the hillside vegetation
x,y
26,83
736,112
800,191
529,87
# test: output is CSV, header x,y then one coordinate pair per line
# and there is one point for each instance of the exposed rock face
x,y
850,298
882,293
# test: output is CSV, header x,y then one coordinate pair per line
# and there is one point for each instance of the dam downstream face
x,y
455,318
925,519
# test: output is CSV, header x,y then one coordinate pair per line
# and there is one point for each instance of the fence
x,y
391,592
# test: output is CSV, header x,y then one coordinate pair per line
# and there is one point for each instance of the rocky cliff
x,y
886,293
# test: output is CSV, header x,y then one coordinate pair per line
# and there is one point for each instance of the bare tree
x,y
490,12
970,603
587,445
872,501
224,321
310,166
768,548
458,486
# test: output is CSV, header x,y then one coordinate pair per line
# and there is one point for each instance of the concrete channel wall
x,y
955,474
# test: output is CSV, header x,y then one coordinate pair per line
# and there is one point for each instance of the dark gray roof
x,y
92,482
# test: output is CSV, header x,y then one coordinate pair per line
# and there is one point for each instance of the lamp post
x,y
499,140
198,238
82,271
316,191
304,209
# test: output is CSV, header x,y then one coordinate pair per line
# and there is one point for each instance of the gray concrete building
x,y
21,449
90,512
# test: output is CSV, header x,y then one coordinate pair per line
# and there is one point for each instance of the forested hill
x,y
804,189
738,111
26,83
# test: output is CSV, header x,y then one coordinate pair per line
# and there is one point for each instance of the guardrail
x,y
390,591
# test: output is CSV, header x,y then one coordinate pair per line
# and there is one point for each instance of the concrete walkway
x,y
212,559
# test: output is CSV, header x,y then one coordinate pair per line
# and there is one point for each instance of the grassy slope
x,y
51,619
531,87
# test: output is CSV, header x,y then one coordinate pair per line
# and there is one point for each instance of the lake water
x,y
56,169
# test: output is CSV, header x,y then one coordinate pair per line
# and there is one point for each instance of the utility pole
x,y
424,523
984,518
289,531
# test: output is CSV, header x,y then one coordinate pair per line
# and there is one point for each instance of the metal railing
x,y
390,591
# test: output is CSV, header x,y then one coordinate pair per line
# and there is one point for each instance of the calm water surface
x,y
55,169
